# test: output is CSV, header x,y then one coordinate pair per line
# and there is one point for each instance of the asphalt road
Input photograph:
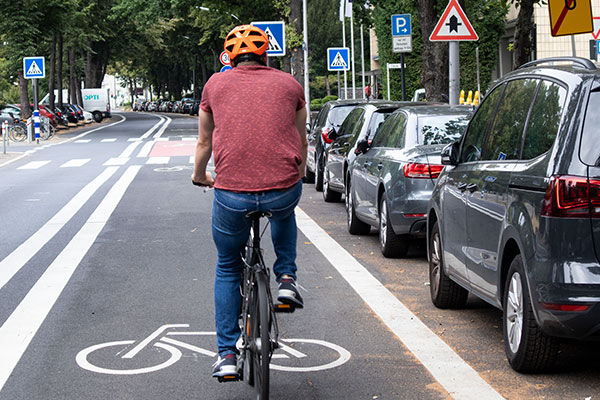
x,y
106,274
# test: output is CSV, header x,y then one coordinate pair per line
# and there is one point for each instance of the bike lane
x,y
152,265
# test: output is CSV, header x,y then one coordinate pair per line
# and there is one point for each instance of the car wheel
x,y
97,116
309,176
392,245
318,175
445,293
527,348
329,195
355,226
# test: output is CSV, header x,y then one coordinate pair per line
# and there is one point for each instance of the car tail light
x,y
325,135
415,170
415,215
565,307
572,197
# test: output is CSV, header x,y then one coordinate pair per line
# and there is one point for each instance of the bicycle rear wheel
x,y
260,337
17,133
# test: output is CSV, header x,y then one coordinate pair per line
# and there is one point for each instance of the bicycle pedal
x,y
284,308
228,378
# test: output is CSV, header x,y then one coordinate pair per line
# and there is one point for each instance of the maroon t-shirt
x,y
256,145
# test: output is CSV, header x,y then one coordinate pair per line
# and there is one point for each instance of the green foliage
x,y
488,19
316,104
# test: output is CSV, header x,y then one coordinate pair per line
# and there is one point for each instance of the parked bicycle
x,y
47,130
18,130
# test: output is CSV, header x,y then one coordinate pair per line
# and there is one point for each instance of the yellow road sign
x,y
570,17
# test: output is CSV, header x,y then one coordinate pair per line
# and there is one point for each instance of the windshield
x,y
337,115
377,119
442,129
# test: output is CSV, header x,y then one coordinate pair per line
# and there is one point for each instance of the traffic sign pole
x,y
36,111
454,66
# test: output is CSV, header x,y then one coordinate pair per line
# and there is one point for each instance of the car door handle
x,y
380,166
461,186
472,187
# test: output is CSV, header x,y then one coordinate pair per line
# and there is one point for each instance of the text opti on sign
x,y
570,17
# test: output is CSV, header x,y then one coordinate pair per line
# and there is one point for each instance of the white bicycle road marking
x,y
159,338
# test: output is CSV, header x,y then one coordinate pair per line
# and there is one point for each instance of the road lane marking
x,y
162,129
145,151
452,372
83,141
34,165
108,140
158,160
22,254
116,161
129,150
76,162
151,130
22,325
192,159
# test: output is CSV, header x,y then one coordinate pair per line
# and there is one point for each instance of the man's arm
x,y
301,126
206,126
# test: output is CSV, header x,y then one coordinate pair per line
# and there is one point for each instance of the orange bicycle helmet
x,y
245,39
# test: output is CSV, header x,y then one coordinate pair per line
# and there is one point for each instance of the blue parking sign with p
x,y
34,68
401,25
338,59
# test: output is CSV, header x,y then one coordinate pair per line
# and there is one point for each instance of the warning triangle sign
x,y
273,43
453,25
34,69
338,61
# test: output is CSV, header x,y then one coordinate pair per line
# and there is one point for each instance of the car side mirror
x,y
332,134
450,154
362,146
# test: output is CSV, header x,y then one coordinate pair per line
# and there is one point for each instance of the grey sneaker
x,y
226,368
288,292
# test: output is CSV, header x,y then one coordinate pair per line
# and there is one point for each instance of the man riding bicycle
x,y
252,119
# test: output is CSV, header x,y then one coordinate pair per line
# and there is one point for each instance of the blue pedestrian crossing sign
x,y
34,67
338,59
275,30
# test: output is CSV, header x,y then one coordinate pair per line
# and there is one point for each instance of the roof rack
x,y
582,62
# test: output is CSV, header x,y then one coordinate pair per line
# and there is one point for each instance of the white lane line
x,y
192,159
83,141
108,140
452,372
129,150
162,139
34,165
22,254
134,139
145,151
22,325
116,161
151,130
162,129
76,162
158,160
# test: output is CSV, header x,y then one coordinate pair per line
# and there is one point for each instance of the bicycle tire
x,y
17,133
261,331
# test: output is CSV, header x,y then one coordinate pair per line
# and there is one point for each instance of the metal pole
x,y
573,45
402,71
305,46
339,86
352,48
477,60
362,60
454,69
4,133
36,111
345,70
387,65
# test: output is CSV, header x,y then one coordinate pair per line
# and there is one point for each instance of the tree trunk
x,y
522,38
434,76
72,77
96,62
297,54
59,75
51,77
24,96
327,85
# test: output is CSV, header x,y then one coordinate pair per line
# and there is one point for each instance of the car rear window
x,y
337,115
442,128
377,119
590,141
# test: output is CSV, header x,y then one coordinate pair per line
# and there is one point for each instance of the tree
x,y
522,40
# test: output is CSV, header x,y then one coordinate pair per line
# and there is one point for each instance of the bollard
x,y
470,97
461,100
476,98
4,133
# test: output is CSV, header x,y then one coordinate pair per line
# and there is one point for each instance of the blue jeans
x,y
230,230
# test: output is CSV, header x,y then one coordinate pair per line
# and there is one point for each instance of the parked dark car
x,y
331,116
390,182
69,113
361,123
5,113
515,216
194,108
78,112
186,103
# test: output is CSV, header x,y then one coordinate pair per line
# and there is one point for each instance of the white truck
x,y
96,101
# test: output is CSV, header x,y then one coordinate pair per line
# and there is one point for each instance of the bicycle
x,y
18,131
260,332
47,130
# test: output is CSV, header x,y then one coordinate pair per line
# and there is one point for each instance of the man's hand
x,y
207,180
